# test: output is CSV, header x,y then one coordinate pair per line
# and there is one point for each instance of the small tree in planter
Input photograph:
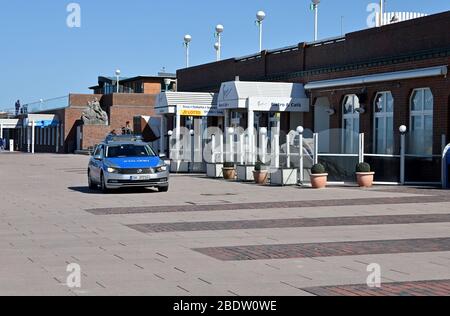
x,y
229,171
319,176
364,175
261,173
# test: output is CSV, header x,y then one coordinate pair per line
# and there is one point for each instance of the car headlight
x,y
112,170
161,169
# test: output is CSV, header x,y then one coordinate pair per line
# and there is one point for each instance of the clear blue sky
x,y
42,58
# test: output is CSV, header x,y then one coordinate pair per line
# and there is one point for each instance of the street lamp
x,y
260,16
187,43
218,35
403,129
118,79
315,6
217,48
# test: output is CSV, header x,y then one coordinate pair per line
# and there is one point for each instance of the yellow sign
x,y
192,113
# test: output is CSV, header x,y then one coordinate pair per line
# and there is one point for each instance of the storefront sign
x,y
199,110
279,104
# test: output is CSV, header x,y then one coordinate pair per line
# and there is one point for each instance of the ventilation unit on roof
x,y
395,17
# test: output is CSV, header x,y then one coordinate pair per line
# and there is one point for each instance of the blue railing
x,y
45,105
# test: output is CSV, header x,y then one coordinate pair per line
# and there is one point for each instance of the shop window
x,y
350,124
384,123
421,122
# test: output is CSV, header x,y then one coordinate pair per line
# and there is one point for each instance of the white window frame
x,y
355,117
384,116
422,114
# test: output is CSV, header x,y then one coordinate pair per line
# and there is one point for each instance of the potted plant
x,y
364,175
261,173
318,176
229,171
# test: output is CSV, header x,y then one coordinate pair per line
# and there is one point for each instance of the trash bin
x,y
446,168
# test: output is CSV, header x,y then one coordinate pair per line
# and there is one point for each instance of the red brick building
x,y
68,133
371,81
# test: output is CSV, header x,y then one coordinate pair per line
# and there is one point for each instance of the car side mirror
x,y
98,158
162,156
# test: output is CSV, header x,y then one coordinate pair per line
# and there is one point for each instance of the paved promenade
x,y
211,237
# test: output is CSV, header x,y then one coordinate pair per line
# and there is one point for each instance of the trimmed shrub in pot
x,y
229,171
364,175
319,176
261,173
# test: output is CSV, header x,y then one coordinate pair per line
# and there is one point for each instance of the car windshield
x,y
126,151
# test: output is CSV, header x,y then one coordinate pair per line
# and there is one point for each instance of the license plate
x,y
140,178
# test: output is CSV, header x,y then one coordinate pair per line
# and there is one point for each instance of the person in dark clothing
x,y
17,107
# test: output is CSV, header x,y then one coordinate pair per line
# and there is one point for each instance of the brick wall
x,y
93,134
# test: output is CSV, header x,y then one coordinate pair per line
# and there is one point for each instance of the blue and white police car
x,y
121,162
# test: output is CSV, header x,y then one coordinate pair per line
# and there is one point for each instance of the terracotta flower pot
x,y
319,181
261,177
229,173
365,179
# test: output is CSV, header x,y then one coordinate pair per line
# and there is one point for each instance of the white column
x,y
33,124
213,148
251,142
316,148
1,131
162,140
57,138
288,150
178,135
242,148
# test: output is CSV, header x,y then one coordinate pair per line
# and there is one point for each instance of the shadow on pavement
x,y
86,190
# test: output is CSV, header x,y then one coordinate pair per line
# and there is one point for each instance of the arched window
x,y
350,124
421,122
384,123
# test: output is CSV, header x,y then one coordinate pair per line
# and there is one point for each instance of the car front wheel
x,y
163,189
103,186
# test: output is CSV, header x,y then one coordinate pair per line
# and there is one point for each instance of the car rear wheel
x,y
91,184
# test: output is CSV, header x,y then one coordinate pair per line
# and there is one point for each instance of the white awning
x,y
188,104
387,76
9,123
263,96
41,120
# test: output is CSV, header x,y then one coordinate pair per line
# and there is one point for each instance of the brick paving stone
x,y
418,288
270,205
291,223
332,249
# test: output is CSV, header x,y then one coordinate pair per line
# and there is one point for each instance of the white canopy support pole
x,y
250,129
277,150
57,138
178,136
288,151
33,124
221,150
1,131
230,146
263,147
162,139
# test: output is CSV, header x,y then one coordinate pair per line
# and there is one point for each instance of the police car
x,y
126,161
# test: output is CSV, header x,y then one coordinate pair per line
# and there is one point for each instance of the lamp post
x,y
217,48
218,35
187,43
260,16
118,80
403,130
315,6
